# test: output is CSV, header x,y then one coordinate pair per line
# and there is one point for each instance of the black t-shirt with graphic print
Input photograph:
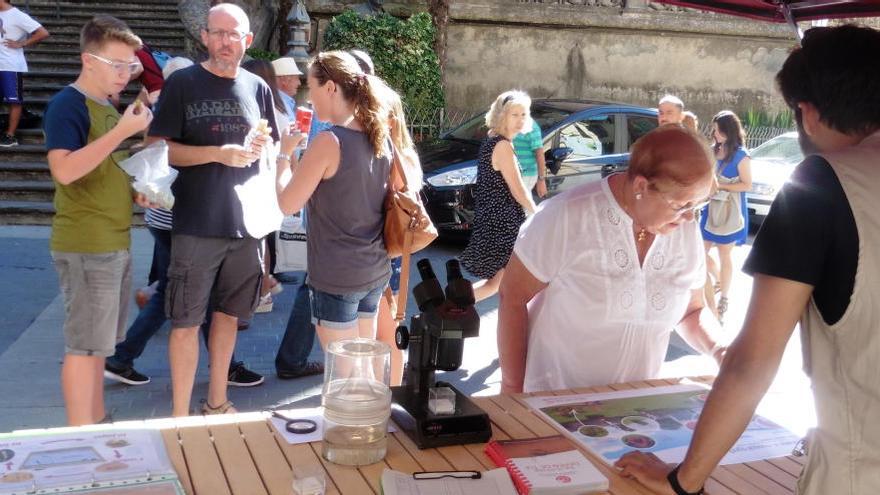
x,y
810,236
198,108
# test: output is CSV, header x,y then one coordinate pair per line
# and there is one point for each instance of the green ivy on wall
x,y
402,51
261,54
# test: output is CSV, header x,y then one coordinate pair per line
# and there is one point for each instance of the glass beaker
x,y
357,401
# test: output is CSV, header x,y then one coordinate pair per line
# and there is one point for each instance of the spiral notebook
x,y
106,462
562,473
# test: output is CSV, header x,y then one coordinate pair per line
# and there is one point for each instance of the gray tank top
x,y
346,250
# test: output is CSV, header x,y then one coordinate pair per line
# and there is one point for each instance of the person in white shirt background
x,y
17,30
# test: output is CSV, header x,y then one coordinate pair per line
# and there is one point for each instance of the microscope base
x,y
469,423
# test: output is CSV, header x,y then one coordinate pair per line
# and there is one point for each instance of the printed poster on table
x,y
111,462
660,420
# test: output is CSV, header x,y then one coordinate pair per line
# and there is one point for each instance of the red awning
x,y
775,10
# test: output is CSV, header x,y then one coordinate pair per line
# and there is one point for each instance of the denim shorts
x,y
394,282
343,310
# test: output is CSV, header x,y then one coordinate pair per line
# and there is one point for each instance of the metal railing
x,y
431,123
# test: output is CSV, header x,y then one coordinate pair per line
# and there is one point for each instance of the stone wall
x,y
603,49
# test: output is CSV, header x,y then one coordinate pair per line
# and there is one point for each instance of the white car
x,y
772,165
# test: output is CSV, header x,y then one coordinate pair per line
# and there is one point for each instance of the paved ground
x,y
31,345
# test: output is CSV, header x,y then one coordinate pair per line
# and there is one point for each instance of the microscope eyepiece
x,y
453,270
426,270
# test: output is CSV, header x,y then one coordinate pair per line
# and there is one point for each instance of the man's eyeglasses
x,y
233,36
120,67
691,206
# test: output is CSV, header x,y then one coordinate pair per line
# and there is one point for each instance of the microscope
x,y
432,413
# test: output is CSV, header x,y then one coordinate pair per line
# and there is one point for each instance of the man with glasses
x,y
17,30
207,113
815,262
93,202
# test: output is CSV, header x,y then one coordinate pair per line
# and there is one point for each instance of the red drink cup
x,y
304,121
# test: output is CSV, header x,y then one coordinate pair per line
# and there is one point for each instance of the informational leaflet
x,y
125,462
660,420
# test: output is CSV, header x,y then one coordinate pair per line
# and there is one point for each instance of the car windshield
x,y
784,149
475,129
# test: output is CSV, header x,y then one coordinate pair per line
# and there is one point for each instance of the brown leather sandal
x,y
225,408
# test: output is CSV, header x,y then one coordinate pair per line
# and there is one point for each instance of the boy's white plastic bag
x,y
153,177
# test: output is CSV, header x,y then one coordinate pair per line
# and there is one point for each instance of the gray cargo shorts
x,y
219,272
96,288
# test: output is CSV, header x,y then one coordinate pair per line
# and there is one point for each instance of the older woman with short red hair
x,y
602,273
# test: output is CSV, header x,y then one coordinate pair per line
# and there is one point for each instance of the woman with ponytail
x,y
342,179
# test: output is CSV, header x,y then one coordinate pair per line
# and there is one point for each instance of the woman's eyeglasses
x,y
679,208
120,67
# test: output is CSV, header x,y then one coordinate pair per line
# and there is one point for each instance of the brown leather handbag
x,y
408,228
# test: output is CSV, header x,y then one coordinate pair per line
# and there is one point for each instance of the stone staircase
x,y
26,187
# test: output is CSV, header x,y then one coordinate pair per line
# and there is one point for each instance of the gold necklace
x,y
642,235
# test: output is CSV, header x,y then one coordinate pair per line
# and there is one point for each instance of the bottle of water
x,y
357,401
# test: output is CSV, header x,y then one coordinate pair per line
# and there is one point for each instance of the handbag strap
x,y
397,166
404,278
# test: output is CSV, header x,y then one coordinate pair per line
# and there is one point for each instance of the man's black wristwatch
x,y
672,477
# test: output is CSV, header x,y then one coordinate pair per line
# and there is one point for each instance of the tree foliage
x,y
402,51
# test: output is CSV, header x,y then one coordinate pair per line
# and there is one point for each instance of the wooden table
x,y
245,456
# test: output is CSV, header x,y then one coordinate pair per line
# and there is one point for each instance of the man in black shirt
x,y
814,260
207,113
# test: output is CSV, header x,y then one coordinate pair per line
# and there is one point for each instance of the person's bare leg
x,y
221,343
78,388
725,256
98,411
487,287
327,335
709,296
183,355
385,332
711,266
14,119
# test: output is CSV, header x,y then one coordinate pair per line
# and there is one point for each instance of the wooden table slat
x,y
758,479
715,488
460,458
205,469
236,460
778,475
525,415
787,464
175,453
731,480
429,459
507,423
270,462
399,458
347,478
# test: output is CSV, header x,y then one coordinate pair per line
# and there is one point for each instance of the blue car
x,y
583,142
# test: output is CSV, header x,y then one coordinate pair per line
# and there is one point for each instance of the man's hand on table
x,y
648,470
